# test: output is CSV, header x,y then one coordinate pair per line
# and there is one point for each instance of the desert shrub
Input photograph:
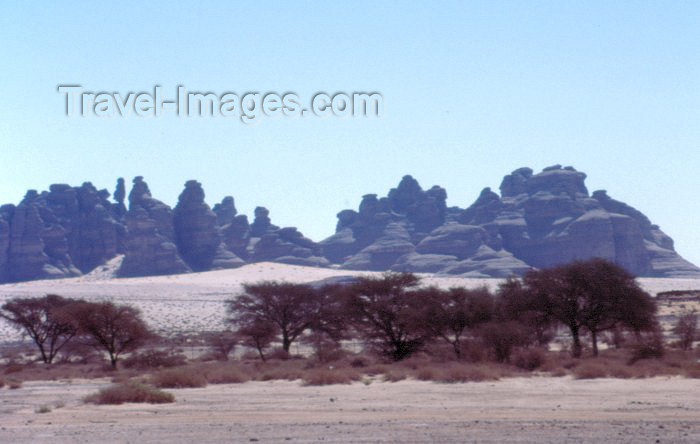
x,y
359,362
279,353
154,359
649,346
502,337
14,384
426,374
686,328
692,371
222,343
327,376
130,391
13,368
590,370
464,373
472,350
285,370
528,358
394,375
224,374
43,409
179,378
2,383
457,373
325,349
80,353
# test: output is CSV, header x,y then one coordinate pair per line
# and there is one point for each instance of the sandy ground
x,y
195,302
536,409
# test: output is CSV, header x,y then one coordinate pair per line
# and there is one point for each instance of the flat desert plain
x,y
535,409
523,409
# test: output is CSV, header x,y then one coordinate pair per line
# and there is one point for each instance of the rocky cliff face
x,y
197,233
150,241
537,221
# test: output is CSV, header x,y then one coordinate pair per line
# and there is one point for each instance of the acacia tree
x,y
116,329
454,312
257,335
514,303
43,320
290,308
387,315
593,296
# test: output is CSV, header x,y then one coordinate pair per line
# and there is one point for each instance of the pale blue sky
x,y
472,90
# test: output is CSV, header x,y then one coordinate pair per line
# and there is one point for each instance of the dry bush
x,y
179,378
223,374
287,374
455,373
426,374
14,384
328,376
394,375
14,368
360,361
649,346
279,354
465,373
154,359
528,358
2,383
130,391
590,370
692,371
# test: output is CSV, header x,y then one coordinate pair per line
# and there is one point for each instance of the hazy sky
x,y
472,90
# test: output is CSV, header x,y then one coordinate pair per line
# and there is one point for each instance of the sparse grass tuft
x,y
130,391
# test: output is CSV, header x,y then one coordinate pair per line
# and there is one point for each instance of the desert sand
x,y
536,409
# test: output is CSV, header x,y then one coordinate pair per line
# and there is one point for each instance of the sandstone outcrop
x,y
197,234
150,242
538,221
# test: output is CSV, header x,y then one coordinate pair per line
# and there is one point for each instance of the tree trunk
x,y
576,349
457,348
286,343
113,361
594,339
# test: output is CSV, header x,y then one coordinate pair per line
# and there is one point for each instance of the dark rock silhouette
x,y
197,235
537,221
38,247
150,247
119,209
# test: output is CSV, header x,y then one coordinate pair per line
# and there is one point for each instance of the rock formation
x,y
197,235
150,242
538,221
